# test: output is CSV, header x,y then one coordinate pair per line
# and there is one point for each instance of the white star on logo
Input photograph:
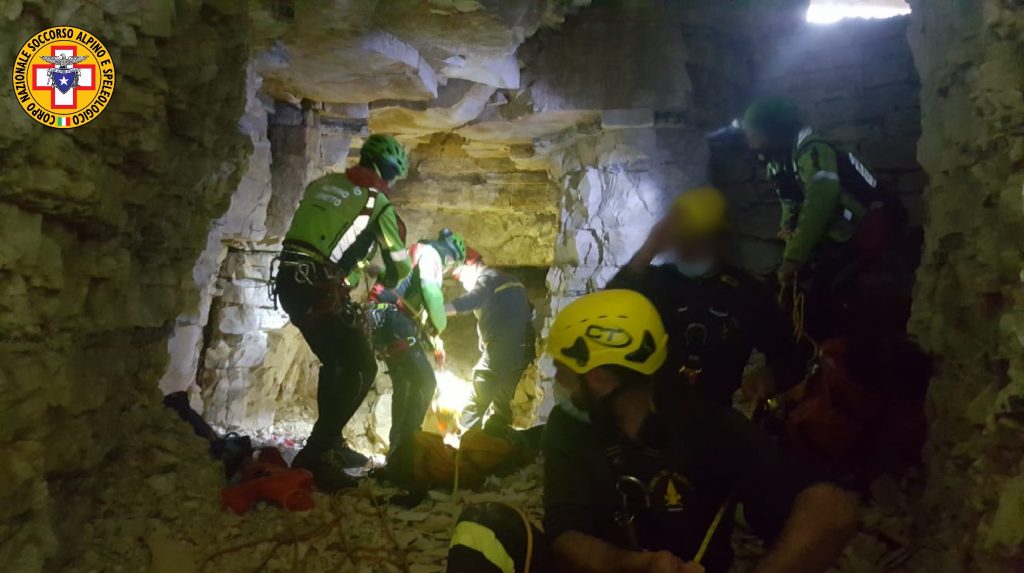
x,y
63,81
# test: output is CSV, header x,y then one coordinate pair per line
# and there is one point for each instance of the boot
x,y
351,458
328,468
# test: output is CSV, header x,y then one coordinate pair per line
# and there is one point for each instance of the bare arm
x,y
657,241
822,521
578,553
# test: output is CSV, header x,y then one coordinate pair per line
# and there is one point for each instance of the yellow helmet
x,y
699,212
618,327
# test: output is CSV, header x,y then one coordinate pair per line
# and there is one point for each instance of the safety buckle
x,y
628,487
692,374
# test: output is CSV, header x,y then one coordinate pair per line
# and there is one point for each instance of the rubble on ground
x,y
158,510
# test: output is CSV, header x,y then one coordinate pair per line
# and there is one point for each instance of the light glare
x,y
832,13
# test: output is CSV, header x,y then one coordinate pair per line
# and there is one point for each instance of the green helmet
x,y
455,242
772,116
381,148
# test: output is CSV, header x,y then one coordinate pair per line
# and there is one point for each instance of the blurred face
x,y
585,390
757,140
468,275
695,249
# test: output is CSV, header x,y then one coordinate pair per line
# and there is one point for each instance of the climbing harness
x,y
332,293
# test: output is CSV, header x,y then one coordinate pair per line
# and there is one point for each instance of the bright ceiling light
x,y
831,12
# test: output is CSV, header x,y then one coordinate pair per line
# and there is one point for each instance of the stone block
x,y
627,118
501,72
20,237
890,152
891,68
158,19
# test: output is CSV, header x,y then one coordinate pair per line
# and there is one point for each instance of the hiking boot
x,y
351,458
328,469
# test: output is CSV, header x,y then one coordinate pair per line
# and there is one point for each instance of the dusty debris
x,y
160,512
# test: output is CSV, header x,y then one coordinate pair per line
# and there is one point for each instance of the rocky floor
x,y
157,511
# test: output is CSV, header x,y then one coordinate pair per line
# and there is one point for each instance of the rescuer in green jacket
x,y
407,319
341,223
835,213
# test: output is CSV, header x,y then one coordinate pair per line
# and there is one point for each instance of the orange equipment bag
x,y
828,422
479,455
846,425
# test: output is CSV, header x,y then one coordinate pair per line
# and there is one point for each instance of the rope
x,y
393,555
455,483
711,530
799,315
529,539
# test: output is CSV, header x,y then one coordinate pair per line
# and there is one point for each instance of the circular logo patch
x,y
63,77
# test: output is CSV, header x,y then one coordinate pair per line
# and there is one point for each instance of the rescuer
x,y
837,218
341,222
504,319
408,319
642,475
715,314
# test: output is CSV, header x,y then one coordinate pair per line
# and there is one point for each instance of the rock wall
x,y
507,213
638,138
968,306
855,82
395,67
101,227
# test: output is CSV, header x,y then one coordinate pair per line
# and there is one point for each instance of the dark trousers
x,y
412,376
514,537
827,284
339,340
495,380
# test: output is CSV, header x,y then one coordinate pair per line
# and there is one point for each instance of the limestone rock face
x,y
101,228
363,51
508,214
423,68
968,306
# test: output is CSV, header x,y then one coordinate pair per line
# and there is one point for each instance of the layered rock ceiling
x,y
135,252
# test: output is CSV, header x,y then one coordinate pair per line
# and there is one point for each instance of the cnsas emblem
x,y
63,77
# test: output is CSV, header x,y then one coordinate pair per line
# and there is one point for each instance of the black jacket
x,y
694,457
714,323
502,309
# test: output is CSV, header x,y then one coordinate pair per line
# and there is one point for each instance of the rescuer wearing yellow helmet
x,y
647,479
715,314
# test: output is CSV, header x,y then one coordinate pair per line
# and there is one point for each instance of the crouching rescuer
x,y
342,220
504,318
664,468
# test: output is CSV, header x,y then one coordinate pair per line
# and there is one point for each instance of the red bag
x,y
845,426
269,479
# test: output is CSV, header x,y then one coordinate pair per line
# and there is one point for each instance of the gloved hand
x,y
787,271
372,271
440,356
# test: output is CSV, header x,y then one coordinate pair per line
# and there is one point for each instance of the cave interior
x,y
135,252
